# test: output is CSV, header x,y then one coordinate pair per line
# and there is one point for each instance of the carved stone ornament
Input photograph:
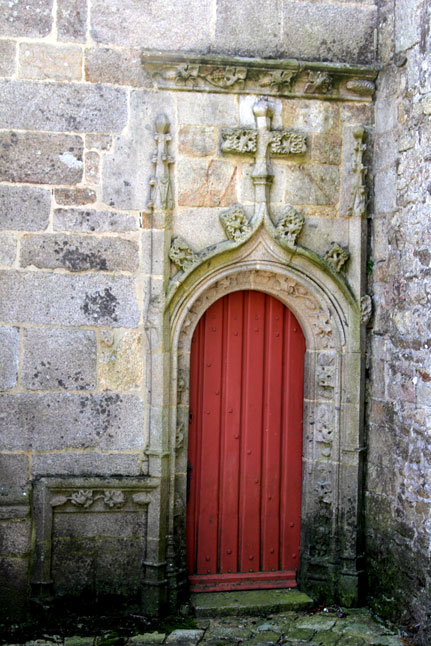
x,y
366,309
359,192
235,223
337,257
179,436
290,225
160,182
212,73
288,143
319,83
85,498
324,487
244,141
181,254
238,140
361,87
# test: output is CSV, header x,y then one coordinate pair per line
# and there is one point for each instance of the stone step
x,y
249,602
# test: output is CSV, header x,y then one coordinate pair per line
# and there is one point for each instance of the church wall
x,y
398,510
77,112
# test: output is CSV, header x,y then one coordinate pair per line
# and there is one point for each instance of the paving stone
x,y
72,20
265,637
299,634
75,196
316,622
43,61
24,207
349,640
8,247
122,67
59,359
329,32
79,641
148,639
171,26
62,106
231,634
59,421
26,19
325,638
79,253
206,183
238,31
385,640
361,628
9,357
84,300
85,464
93,221
40,158
7,57
186,637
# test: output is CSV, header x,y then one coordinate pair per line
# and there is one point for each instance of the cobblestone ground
x,y
356,627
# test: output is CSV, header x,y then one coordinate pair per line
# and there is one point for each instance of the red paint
x,y
245,445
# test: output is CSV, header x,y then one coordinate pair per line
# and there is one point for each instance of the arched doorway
x,y
245,445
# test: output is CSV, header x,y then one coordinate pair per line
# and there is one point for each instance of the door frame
x,y
331,532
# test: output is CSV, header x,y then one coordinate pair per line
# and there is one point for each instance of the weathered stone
x,y
59,359
40,158
62,106
128,169
24,207
92,167
72,20
13,591
79,253
7,57
206,183
15,537
93,221
238,32
327,149
385,191
122,67
84,300
202,227
316,622
184,26
9,357
148,639
43,61
74,196
198,109
85,464
121,363
329,32
33,19
407,25
8,245
311,116
197,141
58,421
98,141
184,637
14,482
312,184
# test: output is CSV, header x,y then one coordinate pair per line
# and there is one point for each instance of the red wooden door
x,y
245,445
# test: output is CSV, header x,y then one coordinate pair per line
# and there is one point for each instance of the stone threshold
x,y
248,602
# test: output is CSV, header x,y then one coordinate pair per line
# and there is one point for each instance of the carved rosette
x,y
235,223
181,254
287,143
337,257
290,225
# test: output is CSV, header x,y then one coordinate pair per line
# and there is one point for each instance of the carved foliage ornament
x,y
337,257
289,225
235,223
85,498
181,254
244,141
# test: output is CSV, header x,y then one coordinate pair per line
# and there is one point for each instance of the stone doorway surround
x,y
262,253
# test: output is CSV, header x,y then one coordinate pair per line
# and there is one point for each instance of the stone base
x,y
249,602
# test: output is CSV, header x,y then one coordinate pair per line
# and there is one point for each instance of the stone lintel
x,y
282,77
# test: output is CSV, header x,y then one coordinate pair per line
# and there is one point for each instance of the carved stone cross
x,y
262,142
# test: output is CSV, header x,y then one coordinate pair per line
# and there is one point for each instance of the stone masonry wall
x,y
73,244
399,460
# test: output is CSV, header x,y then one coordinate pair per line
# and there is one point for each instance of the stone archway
x,y
332,443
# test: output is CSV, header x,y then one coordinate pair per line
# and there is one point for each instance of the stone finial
x,y
181,254
337,257
235,223
290,225
160,182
